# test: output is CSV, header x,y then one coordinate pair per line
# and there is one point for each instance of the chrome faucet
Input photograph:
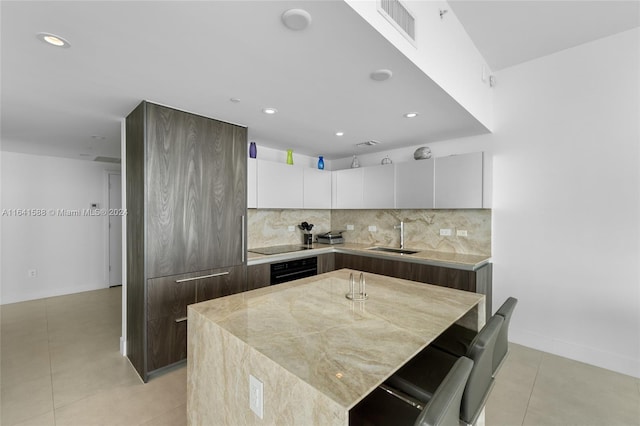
x,y
401,227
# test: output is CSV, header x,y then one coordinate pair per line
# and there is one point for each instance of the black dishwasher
x,y
293,269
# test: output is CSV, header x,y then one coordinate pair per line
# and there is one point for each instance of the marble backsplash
x,y
268,227
422,228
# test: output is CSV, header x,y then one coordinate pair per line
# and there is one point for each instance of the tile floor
x,y
60,365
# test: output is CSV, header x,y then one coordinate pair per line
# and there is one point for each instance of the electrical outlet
x,y
256,397
461,233
445,232
372,228
32,273
292,228
349,227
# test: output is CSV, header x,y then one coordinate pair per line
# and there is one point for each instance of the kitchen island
x,y
316,353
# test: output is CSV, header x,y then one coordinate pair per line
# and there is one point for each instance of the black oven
x,y
293,269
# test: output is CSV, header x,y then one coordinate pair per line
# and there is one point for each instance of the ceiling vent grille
x,y
400,17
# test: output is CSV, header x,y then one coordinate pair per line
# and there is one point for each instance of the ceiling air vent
x,y
107,160
400,17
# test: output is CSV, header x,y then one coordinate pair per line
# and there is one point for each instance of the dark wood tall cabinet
x,y
186,204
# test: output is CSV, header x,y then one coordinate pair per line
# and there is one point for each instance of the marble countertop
x,y
341,348
468,262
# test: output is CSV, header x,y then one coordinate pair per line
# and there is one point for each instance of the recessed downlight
x,y
410,115
339,133
53,40
381,75
296,19
269,110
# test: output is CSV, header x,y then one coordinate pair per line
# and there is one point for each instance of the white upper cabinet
x,y
280,185
378,187
414,184
348,188
458,181
317,189
252,182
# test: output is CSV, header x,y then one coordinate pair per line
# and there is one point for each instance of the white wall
x,y
69,253
565,160
566,212
443,51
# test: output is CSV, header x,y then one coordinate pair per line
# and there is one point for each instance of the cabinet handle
x,y
219,274
183,319
243,221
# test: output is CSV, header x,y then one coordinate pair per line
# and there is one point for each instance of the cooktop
x,y
279,249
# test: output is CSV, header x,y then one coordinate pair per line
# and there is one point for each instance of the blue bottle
x,y
320,163
252,150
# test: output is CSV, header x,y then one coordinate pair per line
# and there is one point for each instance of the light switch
x,y
372,228
349,227
445,232
291,228
461,233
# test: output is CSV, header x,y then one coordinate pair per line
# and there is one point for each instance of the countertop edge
x,y
262,259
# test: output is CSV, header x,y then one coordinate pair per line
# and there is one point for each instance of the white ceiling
x,y
195,56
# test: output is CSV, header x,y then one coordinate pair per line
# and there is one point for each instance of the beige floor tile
x,y
67,352
23,311
87,378
24,400
129,405
25,366
509,398
571,392
173,417
46,419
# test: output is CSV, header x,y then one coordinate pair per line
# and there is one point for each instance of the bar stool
x,y
387,407
456,339
419,378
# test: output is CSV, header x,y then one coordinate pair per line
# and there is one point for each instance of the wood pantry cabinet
x,y
186,201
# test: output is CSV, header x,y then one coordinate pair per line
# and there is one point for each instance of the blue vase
x,y
321,163
252,150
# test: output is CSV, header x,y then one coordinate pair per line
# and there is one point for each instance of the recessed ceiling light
x,y
269,110
296,19
53,40
339,133
411,115
381,75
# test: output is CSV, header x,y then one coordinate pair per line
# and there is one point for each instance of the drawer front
x,y
223,282
169,296
258,276
166,341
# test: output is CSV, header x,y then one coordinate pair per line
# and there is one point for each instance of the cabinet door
x,y
166,341
169,296
317,189
252,183
326,263
280,185
196,192
224,282
365,264
414,184
349,189
258,276
378,187
458,181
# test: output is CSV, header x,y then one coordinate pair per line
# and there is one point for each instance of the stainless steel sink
x,y
393,250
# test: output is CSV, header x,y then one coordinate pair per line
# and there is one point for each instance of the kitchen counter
x,y
316,352
468,262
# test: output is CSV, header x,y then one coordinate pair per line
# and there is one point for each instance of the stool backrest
x,y
443,409
502,344
480,379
